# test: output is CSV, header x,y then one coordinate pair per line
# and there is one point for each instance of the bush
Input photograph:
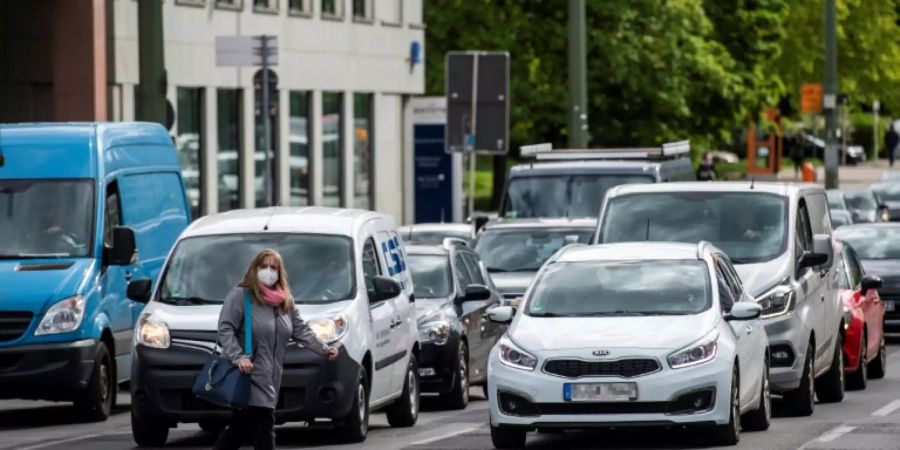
x,y
861,131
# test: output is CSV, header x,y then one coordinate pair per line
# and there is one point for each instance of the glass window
x,y
299,166
362,9
300,6
371,268
862,200
463,278
229,3
835,200
804,233
561,196
819,219
876,242
431,276
854,268
229,155
524,250
113,216
474,268
621,288
363,158
190,145
887,192
332,8
840,269
266,4
729,291
332,149
46,218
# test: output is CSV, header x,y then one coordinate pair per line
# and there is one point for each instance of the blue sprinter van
x,y
84,208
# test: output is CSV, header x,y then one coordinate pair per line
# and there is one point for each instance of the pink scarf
x,y
272,297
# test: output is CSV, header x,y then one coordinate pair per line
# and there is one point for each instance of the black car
x,y
453,292
878,247
865,206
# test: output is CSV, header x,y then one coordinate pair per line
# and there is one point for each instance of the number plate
x,y
599,392
889,305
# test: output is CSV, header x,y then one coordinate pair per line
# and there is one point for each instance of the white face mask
x,y
267,277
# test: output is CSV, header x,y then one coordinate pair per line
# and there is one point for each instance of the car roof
x,y
315,219
413,249
860,226
782,189
539,223
632,251
461,227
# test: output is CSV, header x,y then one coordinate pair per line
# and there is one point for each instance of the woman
x,y
275,322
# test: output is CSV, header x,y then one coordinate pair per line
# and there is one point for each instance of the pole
x,y
578,119
470,142
875,107
264,48
151,63
830,100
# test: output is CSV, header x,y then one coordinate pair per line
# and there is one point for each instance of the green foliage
x,y
861,131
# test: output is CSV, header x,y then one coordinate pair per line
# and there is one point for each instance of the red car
x,y
864,347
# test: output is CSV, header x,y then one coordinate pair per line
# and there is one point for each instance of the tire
x,y
148,434
458,397
859,378
355,425
801,402
730,433
484,390
212,427
507,437
550,431
95,402
405,411
878,366
760,418
830,386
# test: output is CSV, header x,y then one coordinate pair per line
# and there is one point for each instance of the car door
x,y
811,286
381,315
873,308
405,329
745,332
486,329
831,305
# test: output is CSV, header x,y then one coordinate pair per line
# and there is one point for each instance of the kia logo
x,y
601,353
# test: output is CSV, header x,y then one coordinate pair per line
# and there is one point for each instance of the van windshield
x,y
749,227
46,218
204,269
562,195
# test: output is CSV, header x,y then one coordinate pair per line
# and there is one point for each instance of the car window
x,y
524,250
804,234
431,276
854,269
474,268
463,278
872,242
113,216
817,208
371,268
726,290
863,200
734,280
840,270
562,195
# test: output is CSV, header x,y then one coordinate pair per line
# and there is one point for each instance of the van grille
x,y
43,267
13,324
627,368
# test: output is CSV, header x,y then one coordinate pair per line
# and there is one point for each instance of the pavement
x,y
851,177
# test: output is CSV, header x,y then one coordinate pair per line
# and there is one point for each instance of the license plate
x,y
599,392
889,305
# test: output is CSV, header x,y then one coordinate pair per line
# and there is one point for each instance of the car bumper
x,y
311,387
437,366
787,336
57,372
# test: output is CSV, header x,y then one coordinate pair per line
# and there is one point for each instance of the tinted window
x,y
523,250
431,275
562,196
872,242
854,269
840,269
462,273
113,216
804,234
46,218
474,269
748,227
819,219
834,200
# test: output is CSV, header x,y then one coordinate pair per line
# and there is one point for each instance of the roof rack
x,y
546,152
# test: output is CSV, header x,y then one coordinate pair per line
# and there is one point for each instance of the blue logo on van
x,y
391,249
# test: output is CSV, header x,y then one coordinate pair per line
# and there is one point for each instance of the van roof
x,y
782,189
313,219
108,133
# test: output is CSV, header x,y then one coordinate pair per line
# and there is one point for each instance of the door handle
x,y
128,276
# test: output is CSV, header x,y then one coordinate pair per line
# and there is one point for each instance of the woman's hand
x,y
244,365
332,354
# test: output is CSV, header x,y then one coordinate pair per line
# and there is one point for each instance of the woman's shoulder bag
x,y
221,382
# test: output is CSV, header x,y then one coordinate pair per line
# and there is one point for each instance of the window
x,y
299,138
819,219
370,264
474,268
47,218
840,269
229,155
391,11
113,216
804,234
332,149
265,5
332,8
190,2
431,276
853,267
729,284
363,158
151,196
561,195
229,4
190,145
463,278
362,10
300,7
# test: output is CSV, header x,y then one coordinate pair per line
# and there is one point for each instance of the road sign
x,y
477,89
811,97
246,51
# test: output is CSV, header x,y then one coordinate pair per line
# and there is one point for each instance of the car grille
x,y
13,324
627,368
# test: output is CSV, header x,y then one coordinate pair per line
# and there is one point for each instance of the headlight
x,y
153,333
700,352
329,330
62,317
515,357
776,302
885,216
435,332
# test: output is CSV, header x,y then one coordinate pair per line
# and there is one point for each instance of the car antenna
x,y
752,181
271,214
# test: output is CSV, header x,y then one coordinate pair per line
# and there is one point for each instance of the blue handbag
x,y
221,382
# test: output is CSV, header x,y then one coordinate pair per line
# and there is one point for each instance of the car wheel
x,y
801,401
859,378
148,434
760,418
484,390
458,397
730,433
878,366
355,426
95,402
405,411
830,387
507,437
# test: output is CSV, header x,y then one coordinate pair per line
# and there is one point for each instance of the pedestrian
x,y
275,322
707,169
891,139
796,153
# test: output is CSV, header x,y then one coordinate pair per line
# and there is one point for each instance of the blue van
x,y
84,208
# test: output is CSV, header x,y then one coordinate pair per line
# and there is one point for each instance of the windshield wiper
x,y
496,269
185,301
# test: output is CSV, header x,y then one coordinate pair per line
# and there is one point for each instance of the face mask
x,y
267,277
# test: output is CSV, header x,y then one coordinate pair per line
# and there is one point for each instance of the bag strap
x,y
248,324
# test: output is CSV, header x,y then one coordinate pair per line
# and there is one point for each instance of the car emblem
x,y
601,353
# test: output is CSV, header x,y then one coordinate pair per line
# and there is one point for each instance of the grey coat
x,y
272,329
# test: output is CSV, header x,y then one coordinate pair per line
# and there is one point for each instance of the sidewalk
x,y
853,177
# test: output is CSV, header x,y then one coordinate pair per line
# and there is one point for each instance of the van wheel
x,y
458,397
356,423
148,434
760,418
507,437
730,433
859,378
830,387
878,366
801,401
405,411
95,402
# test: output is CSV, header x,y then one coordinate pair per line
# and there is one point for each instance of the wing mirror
x,y
822,253
476,292
501,314
139,290
870,282
385,288
124,247
744,311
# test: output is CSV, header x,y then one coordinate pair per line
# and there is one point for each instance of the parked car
x,y
779,238
864,343
435,233
865,206
85,207
878,248
349,277
836,200
840,218
453,292
631,334
888,194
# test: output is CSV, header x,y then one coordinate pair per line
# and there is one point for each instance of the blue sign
x,y
433,175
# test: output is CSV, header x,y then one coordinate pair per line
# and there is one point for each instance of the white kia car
x,y
636,334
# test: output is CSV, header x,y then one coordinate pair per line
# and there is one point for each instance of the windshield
x,y
872,242
431,275
862,200
524,250
889,192
46,218
748,227
204,269
561,196
622,288
435,237
834,200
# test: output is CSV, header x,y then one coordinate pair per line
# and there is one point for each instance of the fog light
x,y
692,402
782,356
426,372
514,405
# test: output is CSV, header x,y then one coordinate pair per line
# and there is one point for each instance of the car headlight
x,y
512,356
697,353
776,301
328,330
885,216
437,332
64,316
153,333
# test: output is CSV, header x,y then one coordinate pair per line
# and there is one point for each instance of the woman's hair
x,y
251,281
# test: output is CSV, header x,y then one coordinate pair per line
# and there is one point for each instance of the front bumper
x,y
788,335
311,387
56,372
438,366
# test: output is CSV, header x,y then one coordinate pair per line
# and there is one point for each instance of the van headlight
x,y
328,330
776,301
697,353
153,333
437,332
64,316
514,357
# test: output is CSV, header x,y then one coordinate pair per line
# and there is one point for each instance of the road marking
x,y
446,435
74,439
835,433
889,408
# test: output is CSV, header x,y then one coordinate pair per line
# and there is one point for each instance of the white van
x,y
347,270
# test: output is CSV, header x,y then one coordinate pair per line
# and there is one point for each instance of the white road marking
x,y
74,439
889,408
447,435
835,433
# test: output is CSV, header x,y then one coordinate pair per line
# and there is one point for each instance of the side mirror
x,y
812,259
139,290
124,247
870,282
476,292
744,311
385,288
480,221
501,314
822,244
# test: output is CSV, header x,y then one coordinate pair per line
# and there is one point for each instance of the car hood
x,y
887,269
512,282
429,307
760,277
560,333
206,317
33,285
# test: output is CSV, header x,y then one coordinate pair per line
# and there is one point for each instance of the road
x,y
849,177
